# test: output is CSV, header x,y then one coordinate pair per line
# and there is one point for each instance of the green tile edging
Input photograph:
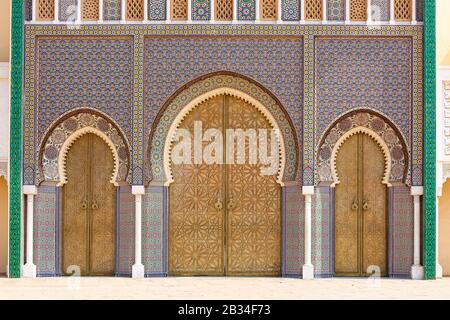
x,y
15,153
429,201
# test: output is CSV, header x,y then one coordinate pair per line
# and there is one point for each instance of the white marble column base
x,y
417,272
138,271
29,270
308,272
439,271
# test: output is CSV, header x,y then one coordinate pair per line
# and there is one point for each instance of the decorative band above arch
x,y
67,131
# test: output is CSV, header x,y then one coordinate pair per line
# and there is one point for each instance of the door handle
x,y
84,205
94,205
355,205
230,205
365,205
218,205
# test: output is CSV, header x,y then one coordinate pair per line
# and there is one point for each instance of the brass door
x,y
253,204
88,215
223,219
360,209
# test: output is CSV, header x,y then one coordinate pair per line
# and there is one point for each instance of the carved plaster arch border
x,y
380,142
158,133
61,135
62,157
211,94
382,126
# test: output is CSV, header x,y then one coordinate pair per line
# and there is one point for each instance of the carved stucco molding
x,y
209,95
387,137
62,136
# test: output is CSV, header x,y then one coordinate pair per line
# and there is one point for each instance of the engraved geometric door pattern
x,y
88,215
360,208
224,219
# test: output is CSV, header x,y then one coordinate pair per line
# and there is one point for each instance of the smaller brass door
x,y
88,215
360,209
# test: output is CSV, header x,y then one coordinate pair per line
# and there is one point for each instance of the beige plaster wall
x,y
5,15
443,32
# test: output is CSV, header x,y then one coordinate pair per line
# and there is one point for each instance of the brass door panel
x,y
196,216
88,216
253,204
374,207
75,232
346,246
360,208
102,209
223,219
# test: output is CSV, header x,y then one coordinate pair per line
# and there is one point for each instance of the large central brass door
x,y
224,219
360,209
88,215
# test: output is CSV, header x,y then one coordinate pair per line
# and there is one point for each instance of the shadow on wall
x,y
3,225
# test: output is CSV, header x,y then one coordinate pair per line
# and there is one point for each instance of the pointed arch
x,y
65,148
211,94
205,87
380,142
64,132
383,131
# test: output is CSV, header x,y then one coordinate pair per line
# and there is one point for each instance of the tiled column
x,y
308,268
417,268
138,270
29,269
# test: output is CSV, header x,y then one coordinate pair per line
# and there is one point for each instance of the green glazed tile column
x,y
15,156
429,202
